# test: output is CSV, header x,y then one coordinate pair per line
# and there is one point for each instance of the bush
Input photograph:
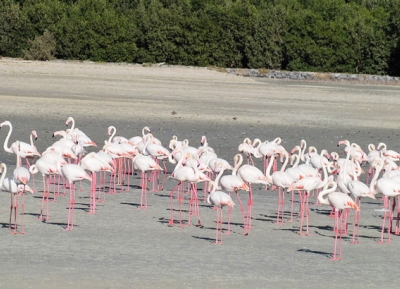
x,y
41,48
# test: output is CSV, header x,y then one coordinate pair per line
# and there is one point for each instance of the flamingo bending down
x,y
339,201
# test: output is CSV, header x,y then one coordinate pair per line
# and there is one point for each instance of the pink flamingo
x,y
339,201
358,190
390,188
233,183
83,138
25,149
283,181
9,185
94,163
304,187
189,174
247,148
72,173
21,176
251,175
157,152
46,168
219,199
144,164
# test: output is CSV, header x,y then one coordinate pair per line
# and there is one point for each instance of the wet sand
x,y
121,246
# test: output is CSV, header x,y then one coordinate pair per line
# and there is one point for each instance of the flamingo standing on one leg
x,y
339,201
219,199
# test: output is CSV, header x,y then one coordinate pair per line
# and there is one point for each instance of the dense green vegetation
x,y
348,36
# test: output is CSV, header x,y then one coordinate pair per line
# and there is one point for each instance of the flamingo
x,y
247,148
189,174
358,190
339,201
94,163
389,187
304,187
47,168
83,138
283,181
11,186
204,144
219,199
388,153
158,152
233,183
144,164
251,175
72,173
25,149
174,143
21,176
137,139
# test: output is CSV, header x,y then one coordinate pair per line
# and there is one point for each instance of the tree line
x,y
344,36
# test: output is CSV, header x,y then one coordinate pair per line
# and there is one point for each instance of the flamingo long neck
x,y
73,123
3,174
179,164
216,181
114,131
283,168
257,142
355,173
383,145
64,135
145,129
378,169
346,163
325,180
303,147
31,137
371,147
5,146
196,170
327,191
271,162
18,158
296,163
238,160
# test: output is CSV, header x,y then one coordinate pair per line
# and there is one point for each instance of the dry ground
x,y
123,247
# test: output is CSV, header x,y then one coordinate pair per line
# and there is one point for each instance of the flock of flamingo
x,y
335,181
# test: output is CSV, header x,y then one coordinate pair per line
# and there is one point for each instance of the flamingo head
x,y
69,119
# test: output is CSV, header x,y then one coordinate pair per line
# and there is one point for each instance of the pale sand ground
x,y
123,247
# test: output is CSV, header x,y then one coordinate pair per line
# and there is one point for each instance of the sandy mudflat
x,y
123,247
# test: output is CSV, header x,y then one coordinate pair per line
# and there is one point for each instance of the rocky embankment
x,y
316,76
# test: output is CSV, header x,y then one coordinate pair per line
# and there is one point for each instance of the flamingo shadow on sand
x,y
315,252
131,204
